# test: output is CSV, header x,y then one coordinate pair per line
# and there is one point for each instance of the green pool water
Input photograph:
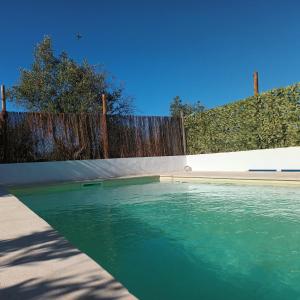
x,y
183,240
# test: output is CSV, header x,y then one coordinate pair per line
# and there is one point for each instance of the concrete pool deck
x,y
37,263
275,178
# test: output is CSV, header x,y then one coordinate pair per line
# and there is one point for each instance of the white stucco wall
x,y
25,173
279,158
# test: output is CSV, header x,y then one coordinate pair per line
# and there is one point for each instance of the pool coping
x,y
274,178
36,262
253,178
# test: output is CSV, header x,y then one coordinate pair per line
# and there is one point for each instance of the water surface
x,y
184,240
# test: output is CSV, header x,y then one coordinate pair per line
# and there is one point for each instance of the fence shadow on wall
x,y
30,137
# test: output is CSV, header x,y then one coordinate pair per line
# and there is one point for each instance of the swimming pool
x,y
166,240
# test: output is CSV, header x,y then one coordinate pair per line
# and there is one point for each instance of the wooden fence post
x,y
3,98
183,132
3,127
104,128
255,83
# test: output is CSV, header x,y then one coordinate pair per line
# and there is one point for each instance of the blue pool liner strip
x,y
290,170
262,170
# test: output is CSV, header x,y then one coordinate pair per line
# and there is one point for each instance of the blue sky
x,y
199,50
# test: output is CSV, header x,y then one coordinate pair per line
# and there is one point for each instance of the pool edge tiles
x,y
37,262
230,178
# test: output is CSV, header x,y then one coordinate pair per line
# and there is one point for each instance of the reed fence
x,y
32,136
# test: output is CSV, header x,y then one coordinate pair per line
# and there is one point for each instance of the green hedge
x,y
268,121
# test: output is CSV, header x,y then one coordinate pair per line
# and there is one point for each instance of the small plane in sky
x,y
78,36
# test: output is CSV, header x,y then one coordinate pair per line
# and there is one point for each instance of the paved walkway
x,y
37,263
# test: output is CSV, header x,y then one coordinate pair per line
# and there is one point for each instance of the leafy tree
x,y
176,106
59,84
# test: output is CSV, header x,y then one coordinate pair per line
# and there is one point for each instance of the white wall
x,y
279,158
25,173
